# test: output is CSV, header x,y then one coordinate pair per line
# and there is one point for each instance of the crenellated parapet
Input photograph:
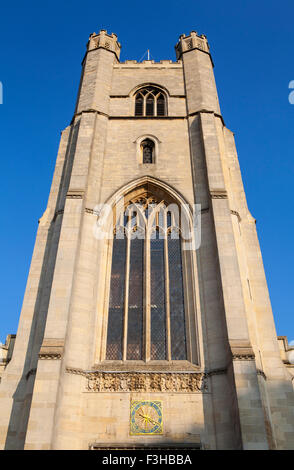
x,y
188,43
105,41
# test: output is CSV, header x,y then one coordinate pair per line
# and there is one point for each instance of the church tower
x,y
146,319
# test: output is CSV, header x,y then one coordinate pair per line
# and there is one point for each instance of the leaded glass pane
x,y
160,106
150,105
158,313
139,106
135,310
116,301
147,147
150,102
147,154
177,312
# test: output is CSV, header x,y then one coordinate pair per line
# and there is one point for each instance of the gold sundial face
x,y
146,418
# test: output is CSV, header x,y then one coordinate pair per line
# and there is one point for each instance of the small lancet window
x,y
147,147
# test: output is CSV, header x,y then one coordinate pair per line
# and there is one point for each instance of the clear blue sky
x,y
42,45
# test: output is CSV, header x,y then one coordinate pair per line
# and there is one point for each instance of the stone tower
x,y
134,340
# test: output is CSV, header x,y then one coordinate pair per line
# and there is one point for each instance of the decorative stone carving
x,y
180,382
189,44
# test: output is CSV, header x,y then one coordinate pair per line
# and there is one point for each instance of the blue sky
x,y
42,45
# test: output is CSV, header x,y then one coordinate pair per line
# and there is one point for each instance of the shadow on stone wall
x,y
22,396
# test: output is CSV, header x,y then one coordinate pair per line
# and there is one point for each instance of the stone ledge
x,y
51,348
241,350
218,194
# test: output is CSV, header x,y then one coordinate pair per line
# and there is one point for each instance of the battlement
x,y
105,41
188,43
149,63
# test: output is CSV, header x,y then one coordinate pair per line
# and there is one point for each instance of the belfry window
x,y
147,148
147,313
150,101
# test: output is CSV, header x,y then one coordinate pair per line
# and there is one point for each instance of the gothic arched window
x,y
150,101
147,147
147,313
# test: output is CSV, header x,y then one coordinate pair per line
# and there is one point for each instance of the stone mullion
x,y
187,313
147,287
126,300
167,302
155,106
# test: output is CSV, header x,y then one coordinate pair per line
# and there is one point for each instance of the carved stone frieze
x,y
143,381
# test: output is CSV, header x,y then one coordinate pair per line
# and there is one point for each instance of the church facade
x,y
146,320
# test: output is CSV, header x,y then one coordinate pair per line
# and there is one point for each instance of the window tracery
x,y
150,101
146,314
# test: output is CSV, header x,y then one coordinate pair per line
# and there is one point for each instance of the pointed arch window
x,y
150,102
148,149
147,311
